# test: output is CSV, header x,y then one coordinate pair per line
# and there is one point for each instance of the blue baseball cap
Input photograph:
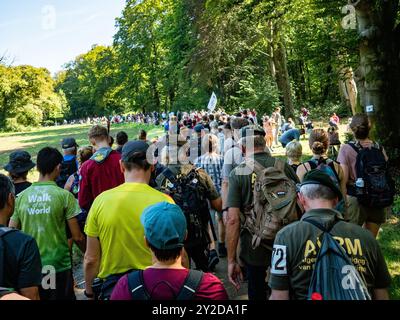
x,y
164,226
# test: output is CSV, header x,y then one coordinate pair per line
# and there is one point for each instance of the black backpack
x,y
189,195
68,168
372,167
3,232
334,276
188,290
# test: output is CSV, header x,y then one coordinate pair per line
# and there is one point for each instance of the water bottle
x,y
360,186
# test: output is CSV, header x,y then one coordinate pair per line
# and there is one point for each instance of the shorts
x,y
358,214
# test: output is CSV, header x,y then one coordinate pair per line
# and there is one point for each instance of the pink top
x,y
348,156
210,288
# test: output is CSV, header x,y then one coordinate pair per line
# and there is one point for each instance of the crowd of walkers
x,y
154,217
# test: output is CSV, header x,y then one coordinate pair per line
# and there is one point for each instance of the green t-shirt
x,y
240,196
42,211
296,248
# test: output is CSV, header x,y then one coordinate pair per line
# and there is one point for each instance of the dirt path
x,y
220,272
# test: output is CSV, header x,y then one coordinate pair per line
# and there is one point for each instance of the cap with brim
x,y
68,143
20,162
164,226
133,147
318,177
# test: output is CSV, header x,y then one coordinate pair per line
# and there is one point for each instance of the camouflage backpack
x,y
274,203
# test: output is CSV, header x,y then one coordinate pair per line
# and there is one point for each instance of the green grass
x,y
32,142
43,137
389,240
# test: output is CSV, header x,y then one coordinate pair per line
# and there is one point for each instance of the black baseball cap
x,y
132,147
318,177
68,143
20,162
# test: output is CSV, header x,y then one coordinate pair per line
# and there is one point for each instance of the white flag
x,y
213,102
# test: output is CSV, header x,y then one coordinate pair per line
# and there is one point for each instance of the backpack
x,y
3,231
274,203
334,276
68,168
75,185
371,166
187,292
189,195
327,166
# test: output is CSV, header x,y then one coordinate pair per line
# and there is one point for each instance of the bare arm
x,y
91,262
279,295
77,235
217,204
301,171
68,184
31,293
232,240
224,192
381,294
13,296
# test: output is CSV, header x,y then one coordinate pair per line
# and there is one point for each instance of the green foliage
x,y
28,97
30,115
170,55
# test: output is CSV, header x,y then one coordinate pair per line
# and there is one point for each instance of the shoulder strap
x,y
5,230
279,165
136,286
167,173
357,148
331,163
258,168
312,164
320,226
191,285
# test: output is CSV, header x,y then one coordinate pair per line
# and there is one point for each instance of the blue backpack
x,y
327,166
334,276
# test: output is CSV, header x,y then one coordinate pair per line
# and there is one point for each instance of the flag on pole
x,y
213,102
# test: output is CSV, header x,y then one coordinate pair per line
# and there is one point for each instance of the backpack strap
x,y
168,174
136,286
191,285
312,164
356,146
321,227
3,231
279,165
189,288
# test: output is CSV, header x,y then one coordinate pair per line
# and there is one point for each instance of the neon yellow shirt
x,y
114,218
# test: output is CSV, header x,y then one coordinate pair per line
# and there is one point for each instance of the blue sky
x,y
51,33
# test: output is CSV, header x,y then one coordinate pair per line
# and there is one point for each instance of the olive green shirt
x,y
296,249
240,195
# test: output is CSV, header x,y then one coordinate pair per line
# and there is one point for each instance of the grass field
x,y
43,137
33,141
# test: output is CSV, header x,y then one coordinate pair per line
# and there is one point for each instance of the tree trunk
x,y
282,73
379,72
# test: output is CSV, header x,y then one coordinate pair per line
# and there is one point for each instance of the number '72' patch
x,y
279,260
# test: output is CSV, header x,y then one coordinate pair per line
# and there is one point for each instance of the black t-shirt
x,y
19,187
22,264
